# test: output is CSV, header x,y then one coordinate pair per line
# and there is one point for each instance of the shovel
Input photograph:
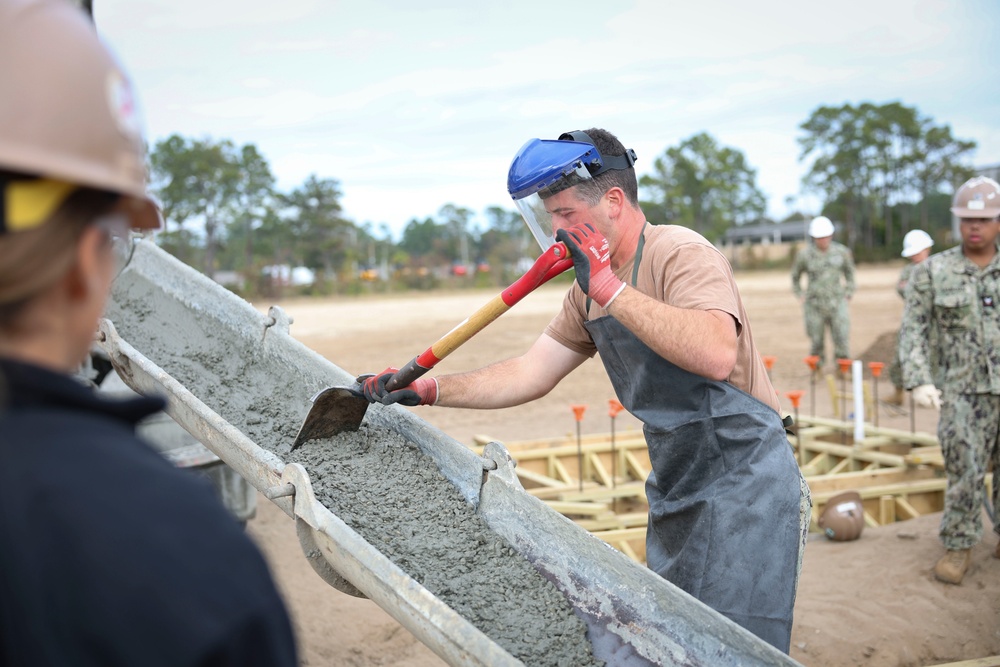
x,y
338,409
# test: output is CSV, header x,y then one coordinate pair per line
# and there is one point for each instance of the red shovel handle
x,y
549,264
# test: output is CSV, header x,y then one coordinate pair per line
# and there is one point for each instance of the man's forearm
x,y
696,340
513,381
494,386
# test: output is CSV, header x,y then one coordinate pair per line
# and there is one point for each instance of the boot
x,y
897,397
952,566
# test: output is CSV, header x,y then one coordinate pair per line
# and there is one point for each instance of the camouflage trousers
x,y
834,316
968,430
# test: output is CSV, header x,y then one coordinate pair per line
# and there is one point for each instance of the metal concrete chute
x,y
351,564
172,331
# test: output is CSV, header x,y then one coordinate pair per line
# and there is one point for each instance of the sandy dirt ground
x,y
871,602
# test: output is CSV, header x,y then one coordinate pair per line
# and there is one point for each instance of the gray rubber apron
x,y
724,489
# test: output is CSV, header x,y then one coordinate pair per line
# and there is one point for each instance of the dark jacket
x,y
109,555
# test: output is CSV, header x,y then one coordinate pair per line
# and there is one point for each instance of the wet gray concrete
x,y
382,486
392,494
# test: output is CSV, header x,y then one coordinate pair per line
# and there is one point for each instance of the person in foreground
x,y
728,509
109,555
952,319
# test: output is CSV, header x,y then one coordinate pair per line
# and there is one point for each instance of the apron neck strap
x,y
638,255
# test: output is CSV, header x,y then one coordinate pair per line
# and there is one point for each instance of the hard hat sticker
x,y
122,103
976,204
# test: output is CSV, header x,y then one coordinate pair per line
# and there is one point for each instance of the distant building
x,y
766,233
765,241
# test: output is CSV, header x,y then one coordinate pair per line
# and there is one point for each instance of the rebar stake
x,y
768,364
913,414
614,407
578,411
844,365
876,368
795,397
813,362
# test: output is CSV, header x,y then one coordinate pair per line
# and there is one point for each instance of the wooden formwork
x,y
608,498
899,474
598,480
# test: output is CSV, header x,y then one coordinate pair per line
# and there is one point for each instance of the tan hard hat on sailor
x,y
68,117
978,197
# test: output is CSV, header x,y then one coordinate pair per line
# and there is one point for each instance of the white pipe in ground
x,y
859,401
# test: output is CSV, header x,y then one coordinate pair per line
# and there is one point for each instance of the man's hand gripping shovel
x,y
338,409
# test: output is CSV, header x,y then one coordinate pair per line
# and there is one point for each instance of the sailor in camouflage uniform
x,y
956,293
830,268
917,246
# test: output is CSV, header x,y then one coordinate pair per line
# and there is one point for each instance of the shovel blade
x,y
334,410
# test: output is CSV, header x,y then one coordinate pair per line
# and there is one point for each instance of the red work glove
x,y
592,261
422,391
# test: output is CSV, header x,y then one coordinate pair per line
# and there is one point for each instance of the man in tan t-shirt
x,y
694,276
728,506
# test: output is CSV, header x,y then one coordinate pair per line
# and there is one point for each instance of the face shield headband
x,y
543,168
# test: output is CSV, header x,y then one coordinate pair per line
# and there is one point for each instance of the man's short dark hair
x,y
591,191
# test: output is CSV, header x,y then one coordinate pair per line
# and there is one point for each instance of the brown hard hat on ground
x,y
843,518
68,114
978,197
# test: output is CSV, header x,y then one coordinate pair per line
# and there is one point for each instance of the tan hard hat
x,y
67,115
843,518
979,197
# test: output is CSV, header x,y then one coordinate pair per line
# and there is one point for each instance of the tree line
x,y
879,169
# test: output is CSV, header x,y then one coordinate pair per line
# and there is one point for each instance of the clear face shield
x,y
532,207
544,168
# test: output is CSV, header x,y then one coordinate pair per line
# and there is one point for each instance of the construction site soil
x,y
870,602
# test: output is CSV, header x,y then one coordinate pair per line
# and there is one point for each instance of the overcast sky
x,y
415,104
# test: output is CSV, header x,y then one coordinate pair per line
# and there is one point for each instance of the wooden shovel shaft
x,y
339,409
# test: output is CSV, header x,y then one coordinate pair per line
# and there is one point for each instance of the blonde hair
x,y
32,261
